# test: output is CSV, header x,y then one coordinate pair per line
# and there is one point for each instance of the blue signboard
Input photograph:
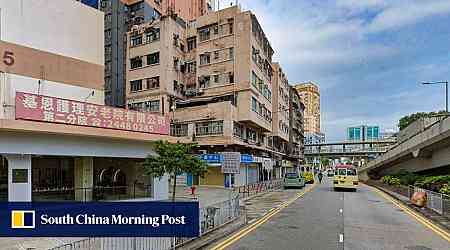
x,y
212,158
92,3
99,219
246,158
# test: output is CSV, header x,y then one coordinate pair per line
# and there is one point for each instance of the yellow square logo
x,y
22,219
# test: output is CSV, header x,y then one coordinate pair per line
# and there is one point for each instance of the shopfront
x,y
56,156
214,176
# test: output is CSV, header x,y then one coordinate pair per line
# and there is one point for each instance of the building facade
x,y
120,17
310,97
58,141
214,78
363,133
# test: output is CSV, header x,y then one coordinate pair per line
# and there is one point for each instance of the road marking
x,y
340,211
426,222
341,238
237,236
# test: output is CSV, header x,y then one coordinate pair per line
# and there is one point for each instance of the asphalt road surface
x,y
324,219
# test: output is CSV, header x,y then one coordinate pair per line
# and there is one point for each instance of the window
x,y
152,106
251,135
204,34
136,40
209,128
153,82
191,67
216,55
153,58
136,85
231,26
351,172
178,130
238,130
254,104
191,43
216,78
230,77
204,81
231,53
135,106
205,59
153,35
216,29
136,62
255,80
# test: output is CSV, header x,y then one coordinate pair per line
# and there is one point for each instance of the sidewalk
x,y
206,195
428,213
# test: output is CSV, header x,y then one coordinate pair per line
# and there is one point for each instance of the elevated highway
x,y
425,149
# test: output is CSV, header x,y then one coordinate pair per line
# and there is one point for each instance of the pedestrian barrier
x,y
211,218
255,188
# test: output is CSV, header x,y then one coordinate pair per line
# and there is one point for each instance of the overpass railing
x,y
440,203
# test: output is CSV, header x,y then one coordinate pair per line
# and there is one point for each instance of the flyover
x,y
425,146
349,149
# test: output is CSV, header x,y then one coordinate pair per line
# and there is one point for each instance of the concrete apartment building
x,y
120,17
310,97
58,141
217,72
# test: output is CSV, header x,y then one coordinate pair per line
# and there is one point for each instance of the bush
x,y
394,181
445,189
406,177
433,183
391,180
386,179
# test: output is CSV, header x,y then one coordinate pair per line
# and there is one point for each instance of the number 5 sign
x,y
8,58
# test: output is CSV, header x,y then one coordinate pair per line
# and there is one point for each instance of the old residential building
x,y
310,97
120,17
217,73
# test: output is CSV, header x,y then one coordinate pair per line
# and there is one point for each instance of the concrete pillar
x,y
19,177
161,188
363,176
84,178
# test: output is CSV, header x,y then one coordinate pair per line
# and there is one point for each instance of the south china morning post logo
x,y
106,219
22,219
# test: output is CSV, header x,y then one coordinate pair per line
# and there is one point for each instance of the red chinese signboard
x,y
55,110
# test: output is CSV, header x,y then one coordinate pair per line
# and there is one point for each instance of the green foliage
x,y
406,177
433,183
394,181
445,189
325,161
408,119
386,179
391,180
173,159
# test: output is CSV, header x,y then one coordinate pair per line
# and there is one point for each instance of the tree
x,y
408,119
325,161
173,159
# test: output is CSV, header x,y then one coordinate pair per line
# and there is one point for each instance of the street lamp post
x,y
446,91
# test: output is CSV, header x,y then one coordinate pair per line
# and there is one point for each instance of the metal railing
x,y
211,218
255,188
440,203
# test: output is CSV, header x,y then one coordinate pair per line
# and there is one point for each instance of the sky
x,y
368,57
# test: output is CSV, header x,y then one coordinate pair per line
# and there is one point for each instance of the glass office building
x,y
363,133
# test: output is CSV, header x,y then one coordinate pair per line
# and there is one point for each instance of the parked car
x,y
309,177
293,180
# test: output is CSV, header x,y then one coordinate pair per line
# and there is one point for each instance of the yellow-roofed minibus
x,y
345,177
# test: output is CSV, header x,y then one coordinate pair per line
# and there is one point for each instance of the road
x,y
323,219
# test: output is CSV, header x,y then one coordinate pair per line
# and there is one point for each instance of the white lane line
x,y
341,238
341,210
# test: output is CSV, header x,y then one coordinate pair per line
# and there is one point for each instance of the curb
x,y
416,209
